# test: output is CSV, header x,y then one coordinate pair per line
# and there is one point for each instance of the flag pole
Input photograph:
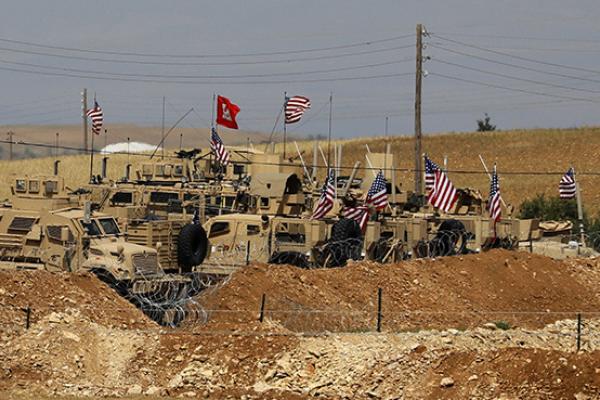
x,y
579,208
92,149
212,111
284,124
329,134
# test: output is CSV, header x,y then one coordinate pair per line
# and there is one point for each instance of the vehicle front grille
x,y
145,264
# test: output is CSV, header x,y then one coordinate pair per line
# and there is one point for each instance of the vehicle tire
x,y
291,258
451,239
192,246
345,242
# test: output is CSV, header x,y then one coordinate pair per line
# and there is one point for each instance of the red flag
x,y
226,112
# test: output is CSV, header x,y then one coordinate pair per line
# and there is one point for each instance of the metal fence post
x,y
248,253
27,316
379,293
262,307
578,331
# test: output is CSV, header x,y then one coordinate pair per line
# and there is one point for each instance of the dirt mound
x,y
47,293
517,288
515,373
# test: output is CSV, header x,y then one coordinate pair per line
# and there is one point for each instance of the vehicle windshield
x,y
91,228
109,226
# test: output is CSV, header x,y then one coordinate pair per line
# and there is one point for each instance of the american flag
x,y
443,195
359,213
566,187
377,194
430,168
97,117
295,107
325,203
495,205
217,146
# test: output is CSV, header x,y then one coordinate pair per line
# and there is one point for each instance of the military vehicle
x,y
44,227
406,228
160,203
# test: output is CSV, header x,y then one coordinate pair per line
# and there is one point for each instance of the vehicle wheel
x,y
290,257
192,246
451,239
345,242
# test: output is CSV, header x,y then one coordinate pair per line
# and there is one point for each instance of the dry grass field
x,y
529,151
532,151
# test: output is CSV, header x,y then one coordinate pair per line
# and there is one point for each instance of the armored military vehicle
x,y
43,227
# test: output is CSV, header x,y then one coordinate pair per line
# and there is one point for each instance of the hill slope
x,y
535,151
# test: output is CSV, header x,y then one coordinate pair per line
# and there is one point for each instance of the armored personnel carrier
x,y
44,227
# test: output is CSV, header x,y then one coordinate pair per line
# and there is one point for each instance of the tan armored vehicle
x,y
237,239
44,228
161,202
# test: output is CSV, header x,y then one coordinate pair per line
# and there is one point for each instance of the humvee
x,y
44,228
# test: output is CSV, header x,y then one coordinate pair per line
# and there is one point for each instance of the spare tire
x,y
450,240
345,242
192,246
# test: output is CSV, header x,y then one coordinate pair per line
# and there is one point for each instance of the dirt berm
x,y
86,341
518,288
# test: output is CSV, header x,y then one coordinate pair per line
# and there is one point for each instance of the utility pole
x,y
418,78
10,145
56,147
162,135
84,111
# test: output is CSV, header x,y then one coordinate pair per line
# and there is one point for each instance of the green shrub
x,y
503,325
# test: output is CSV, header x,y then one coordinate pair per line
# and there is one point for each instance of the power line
x,y
550,39
163,55
166,76
491,85
515,78
173,63
188,82
518,57
514,65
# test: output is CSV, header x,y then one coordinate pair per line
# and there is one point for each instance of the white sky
x,y
550,31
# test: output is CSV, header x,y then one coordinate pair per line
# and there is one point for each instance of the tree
x,y
483,125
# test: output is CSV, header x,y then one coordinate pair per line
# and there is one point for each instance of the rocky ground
x,y
505,328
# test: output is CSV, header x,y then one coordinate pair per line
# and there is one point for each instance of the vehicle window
x,y
264,202
55,230
218,229
163,197
51,186
122,198
178,170
229,201
21,224
34,186
290,233
91,228
252,230
20,185
160,170
109,226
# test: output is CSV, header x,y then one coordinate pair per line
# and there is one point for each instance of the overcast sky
x,y
523,51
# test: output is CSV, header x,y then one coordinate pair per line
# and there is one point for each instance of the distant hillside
x,y
535,150
72,136
538,150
